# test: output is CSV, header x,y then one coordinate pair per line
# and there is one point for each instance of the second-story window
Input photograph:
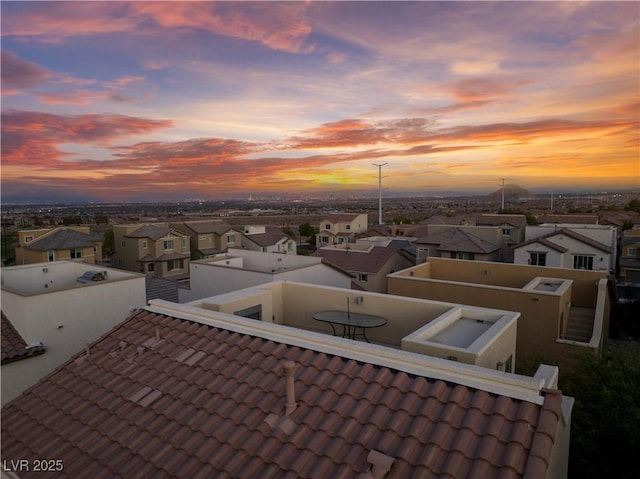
x,y
327,226
348,227
632,252
184,243
144,245
168,244
231,239
363,277
28,239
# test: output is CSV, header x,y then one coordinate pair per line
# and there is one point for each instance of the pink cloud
x,y
19,75
481,89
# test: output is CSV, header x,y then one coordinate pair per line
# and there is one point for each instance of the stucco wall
x,y
65,321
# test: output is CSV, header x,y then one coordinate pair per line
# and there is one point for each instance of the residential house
x,y
54,306
513,227
562,310
239,269
339,228
630,257
152,248
482,243
185,391
51,244
258,238
566,248
368,264
209,238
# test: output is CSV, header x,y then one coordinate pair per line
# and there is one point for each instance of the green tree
x,y
605,429
634,205
108,244
307,230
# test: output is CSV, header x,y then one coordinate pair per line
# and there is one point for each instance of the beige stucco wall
x,y
494,285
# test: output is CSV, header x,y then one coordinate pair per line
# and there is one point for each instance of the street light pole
x,y
380,165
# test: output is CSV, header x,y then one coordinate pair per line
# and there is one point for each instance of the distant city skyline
x,y
127,101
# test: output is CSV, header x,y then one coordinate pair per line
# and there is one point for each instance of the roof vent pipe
x,y
291,405
380,465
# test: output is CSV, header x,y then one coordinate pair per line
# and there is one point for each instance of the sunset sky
x,y
176,100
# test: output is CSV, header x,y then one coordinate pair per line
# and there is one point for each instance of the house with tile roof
x,y
562,310
569,248
51,305
240,268
152,248
208,237
63,243
187,391
513,227
481,243
340,228
272,240
368,264
629,261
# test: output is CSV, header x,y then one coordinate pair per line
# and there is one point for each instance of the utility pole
x,y
380,165
502,209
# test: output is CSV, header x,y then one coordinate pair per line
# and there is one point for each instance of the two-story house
x,y
481,243
152,248
258,238
51,244
341,228
209,238
368,264
630,257
566,248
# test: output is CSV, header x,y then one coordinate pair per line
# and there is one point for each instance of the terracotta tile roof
x,y
14,347
370,262
203,401
547,240
62,238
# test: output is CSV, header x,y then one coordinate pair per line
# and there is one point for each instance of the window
x,y
463,255
123,244
151,268
51,255
290,245
327,226
231,239
175,264
324,239
632,252
347,227
506,231
75,253
581,261
184,243
538,259
144,245
168,244
120,262
28,239
363,277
